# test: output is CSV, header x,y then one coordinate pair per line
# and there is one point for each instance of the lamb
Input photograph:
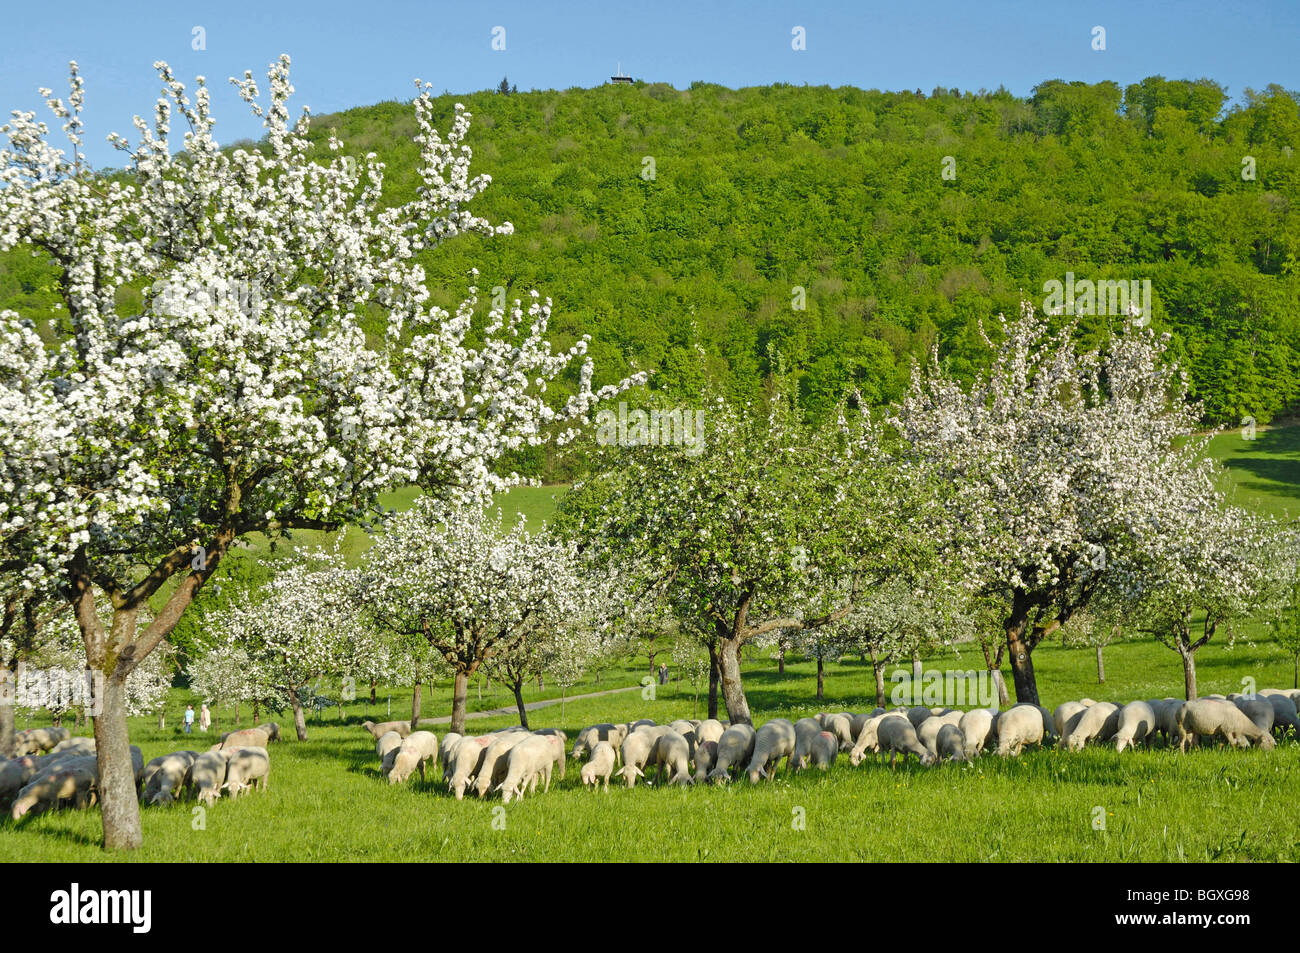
x,y
709,730
1219,719
72,781
1098,723
897,736
37,740
589,737
535,756
950,744
637,750
1017,727
928,733
600,766
774,741
208,774
247,767
468,755
976,728
447,751
165,775
377,731
417,748
1137,723
735,747
805,730
387,743
825,749
672,753
1258,710
492,768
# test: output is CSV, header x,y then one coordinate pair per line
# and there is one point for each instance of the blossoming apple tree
x,y
212,376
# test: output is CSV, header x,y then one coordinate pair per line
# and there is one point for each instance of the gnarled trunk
x,y
780,660
119,806
519,702
459,702
1189,670
715,674
821,678
733,692
1021,652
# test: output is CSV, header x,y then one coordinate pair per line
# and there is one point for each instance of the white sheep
x,y
164,776
377,731
976,728
1213,718
1064,712
1017,727
468,756
72,783
36,740
492,768
928,732
1137,723
841,726
387,742
825,749
207,775
709,730
868,737
247,767
735,748
950,744
1098,723
897,736
599,767
528,760
805,730
447,752
417,748
1258,710
672,755
637,749
774,741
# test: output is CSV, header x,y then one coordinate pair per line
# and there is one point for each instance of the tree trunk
x,y
1189,671
459,700
780,661
1022,660
916,668
1101,667
733,692
519,701
372,693
1295,672
1004,698
715,675
8,688
821,678
416,700
257,712
299,719
878,669
162,720
119,807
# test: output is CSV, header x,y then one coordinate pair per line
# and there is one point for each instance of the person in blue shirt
x,y
189,719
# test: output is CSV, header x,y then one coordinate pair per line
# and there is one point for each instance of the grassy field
x,y
327,801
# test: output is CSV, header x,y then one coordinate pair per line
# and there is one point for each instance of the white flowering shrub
x,y
242,394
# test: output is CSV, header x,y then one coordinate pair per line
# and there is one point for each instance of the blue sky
x,y
342,59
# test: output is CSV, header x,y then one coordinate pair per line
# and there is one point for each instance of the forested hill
x,y
668,222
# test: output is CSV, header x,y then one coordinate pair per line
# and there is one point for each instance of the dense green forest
x,y
676,226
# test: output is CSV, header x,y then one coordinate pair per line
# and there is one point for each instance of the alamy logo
x,y
77,906
1115,298
658,428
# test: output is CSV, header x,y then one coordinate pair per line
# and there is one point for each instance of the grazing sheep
x,y
387,743
709,730
38,740
492,769
774,741
78,746
841,726
1137,723
1064,712
1258,710
637,750
207,775
672,754
928,732
706,752
1166,711
824,750
564,741
377,731
976,728
950,744
70,784
1098,723
897,736
686,729
14,776
1284,714
642,723
447,751
247,767
417,748
165,775
468,755
600,767
533,757
589,737
1086,702
1017,727
246,738
805,730
917,714
735,748
1212,718
868,737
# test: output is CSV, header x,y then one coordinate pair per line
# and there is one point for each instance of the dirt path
x,y
528,706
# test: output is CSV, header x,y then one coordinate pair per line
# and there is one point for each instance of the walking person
x,y
189,719
205,718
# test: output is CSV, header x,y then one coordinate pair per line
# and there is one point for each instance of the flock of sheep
x,y
52,770
513,760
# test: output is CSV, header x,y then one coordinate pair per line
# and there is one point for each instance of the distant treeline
x,y
709,233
